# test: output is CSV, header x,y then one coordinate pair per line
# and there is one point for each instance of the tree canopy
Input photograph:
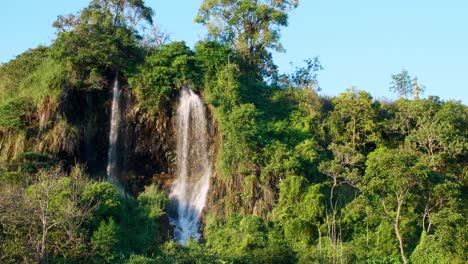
x,y
251,27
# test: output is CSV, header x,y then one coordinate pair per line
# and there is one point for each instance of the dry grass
x,y
11,146
61,138
46,111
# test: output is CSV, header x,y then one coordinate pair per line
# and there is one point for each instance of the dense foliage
x,y
298,178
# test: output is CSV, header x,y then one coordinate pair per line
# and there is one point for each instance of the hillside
x,y
112,140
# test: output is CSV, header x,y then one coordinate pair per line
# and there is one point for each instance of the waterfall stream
x,y
112,158
190,188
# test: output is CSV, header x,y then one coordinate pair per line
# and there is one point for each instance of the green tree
x,y
46,220
403,84
127,13
137,259
42,197
241,134
107,198
16,114
17,224
441,134
443,237
251,27
342,170
395,178
304,77
163,72
299,210
140,222
105,241
436,129
246,239
101,40
13,73
353,120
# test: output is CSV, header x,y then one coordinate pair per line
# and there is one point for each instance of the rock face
x,y
113,138
142,144
146,146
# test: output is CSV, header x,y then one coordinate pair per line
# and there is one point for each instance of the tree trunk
x,y
43,243
354,132
332,233
426,215
397,231
44,219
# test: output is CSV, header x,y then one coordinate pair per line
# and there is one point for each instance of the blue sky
x,y
360,43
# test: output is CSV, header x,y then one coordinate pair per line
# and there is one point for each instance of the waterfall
x,y
112,158
190,188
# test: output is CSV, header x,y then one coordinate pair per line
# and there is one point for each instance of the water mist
x,y
190,188
112,155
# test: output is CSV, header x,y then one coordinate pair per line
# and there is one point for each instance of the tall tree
x,y
395,178
304,77
17,226
250,26
436,129
102,39
353,120
58,205
123,13
341,170
403,84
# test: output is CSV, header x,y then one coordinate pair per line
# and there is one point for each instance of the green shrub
x,y
164,71
16,114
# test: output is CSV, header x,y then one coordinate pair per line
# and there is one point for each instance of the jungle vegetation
x,y
298,177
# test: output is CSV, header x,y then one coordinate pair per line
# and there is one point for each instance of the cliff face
x,y
146,145
88,110
70,122
74,128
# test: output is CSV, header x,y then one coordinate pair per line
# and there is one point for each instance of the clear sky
x,y
360,42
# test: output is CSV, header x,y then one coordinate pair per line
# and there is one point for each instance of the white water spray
x,y
112,157
189,190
